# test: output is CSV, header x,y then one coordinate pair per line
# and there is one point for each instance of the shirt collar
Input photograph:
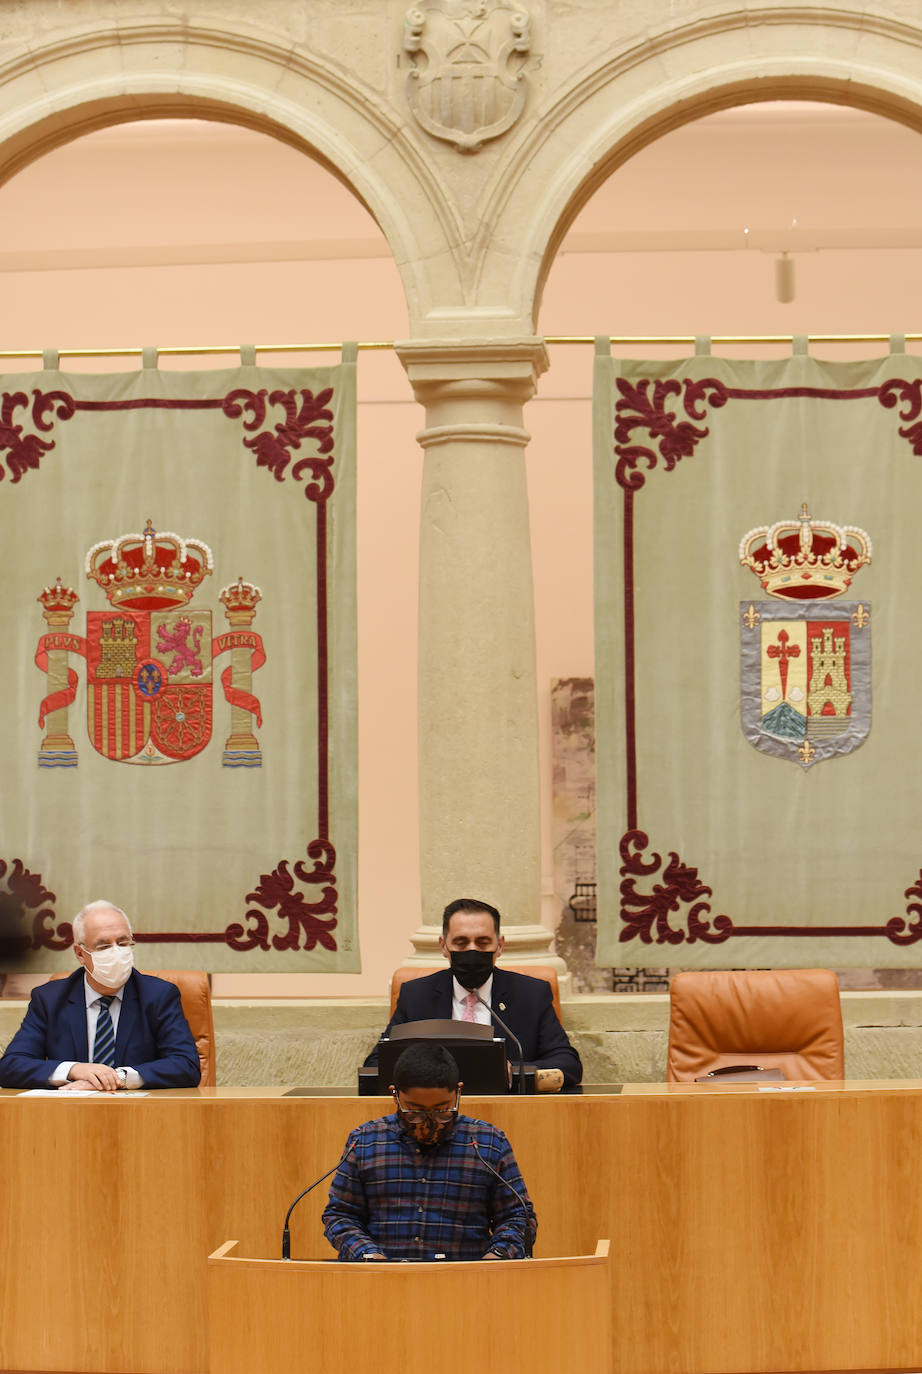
x,y
92,996
485,991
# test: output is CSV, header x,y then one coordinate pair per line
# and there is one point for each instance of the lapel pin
x,y
502,1006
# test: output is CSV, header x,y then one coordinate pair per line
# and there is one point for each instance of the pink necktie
x,y
470,1003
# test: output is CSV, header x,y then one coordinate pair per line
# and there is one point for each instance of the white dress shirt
x,y
133,1078
458,994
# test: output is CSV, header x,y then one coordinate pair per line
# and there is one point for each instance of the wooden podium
x,y
518,1315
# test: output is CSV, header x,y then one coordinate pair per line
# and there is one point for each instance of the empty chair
x,y
789,1019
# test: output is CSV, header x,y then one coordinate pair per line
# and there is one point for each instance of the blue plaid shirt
x,y
391,1197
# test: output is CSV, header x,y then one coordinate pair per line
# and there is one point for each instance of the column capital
x,y
432,364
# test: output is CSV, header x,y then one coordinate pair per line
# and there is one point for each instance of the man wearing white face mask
x,y
107,1026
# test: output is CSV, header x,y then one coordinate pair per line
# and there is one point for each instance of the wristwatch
x,y
122,1076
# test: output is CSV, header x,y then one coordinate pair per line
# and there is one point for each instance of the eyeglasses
x,y
418,1116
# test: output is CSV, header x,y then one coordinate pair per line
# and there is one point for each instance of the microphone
x,y
526,1208
286,1236
514,1038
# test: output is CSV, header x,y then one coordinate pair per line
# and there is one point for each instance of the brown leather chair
x,y
549,975
195,995
790,1019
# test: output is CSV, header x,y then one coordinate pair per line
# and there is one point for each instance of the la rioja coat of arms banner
x,y
758,574
179,722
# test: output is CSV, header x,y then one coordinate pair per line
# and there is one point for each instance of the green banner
x,y
178,629
758,566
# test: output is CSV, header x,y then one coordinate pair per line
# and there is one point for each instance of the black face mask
x,y
472,967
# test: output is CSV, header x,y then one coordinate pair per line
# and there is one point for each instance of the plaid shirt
x,y
391,1197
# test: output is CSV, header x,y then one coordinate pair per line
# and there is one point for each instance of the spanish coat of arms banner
x,y
178,629
758,576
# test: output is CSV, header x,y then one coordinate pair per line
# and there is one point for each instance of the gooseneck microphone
x,y
514,1038
286,1236
526,1208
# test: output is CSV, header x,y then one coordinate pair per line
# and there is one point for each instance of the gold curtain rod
x,y
689,339
654,340
181,350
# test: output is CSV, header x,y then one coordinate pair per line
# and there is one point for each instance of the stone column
x,y
478,730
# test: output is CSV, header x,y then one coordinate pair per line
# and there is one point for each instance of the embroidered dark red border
x,y
305,417
645,915
630,700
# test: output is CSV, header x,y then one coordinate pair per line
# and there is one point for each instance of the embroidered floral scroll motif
x,y
24,898
25,451
646,914
306,419
674,439
277,890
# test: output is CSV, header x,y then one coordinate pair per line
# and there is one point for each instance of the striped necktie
x,y
104,1040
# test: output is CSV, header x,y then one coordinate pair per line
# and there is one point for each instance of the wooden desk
x,y
750,1230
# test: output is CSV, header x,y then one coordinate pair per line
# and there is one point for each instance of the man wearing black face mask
x,y
426,1183
472,943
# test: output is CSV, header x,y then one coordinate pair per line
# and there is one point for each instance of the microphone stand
x,y
526,1239
514,1038
286,1236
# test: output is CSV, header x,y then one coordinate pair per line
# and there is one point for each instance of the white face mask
x,y
112,967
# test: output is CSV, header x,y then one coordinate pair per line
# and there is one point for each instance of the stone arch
x,y
63,90
615,109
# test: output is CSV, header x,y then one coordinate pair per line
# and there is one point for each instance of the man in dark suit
x,y
472,943
106,1027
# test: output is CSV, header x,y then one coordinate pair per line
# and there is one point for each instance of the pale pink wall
x,y
228,237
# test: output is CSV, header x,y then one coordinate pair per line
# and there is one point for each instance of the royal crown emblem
x,y
149,571
805,674
149,656
805,559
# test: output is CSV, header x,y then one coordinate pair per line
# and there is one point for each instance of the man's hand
x,y
91,1078
491,1254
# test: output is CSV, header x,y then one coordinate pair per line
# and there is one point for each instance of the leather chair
x,y
195,995
790,1019
549,975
